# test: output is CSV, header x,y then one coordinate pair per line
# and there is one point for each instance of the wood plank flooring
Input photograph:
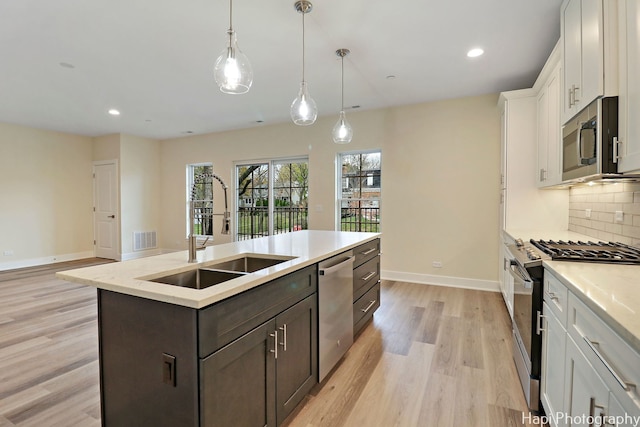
x,y
433,356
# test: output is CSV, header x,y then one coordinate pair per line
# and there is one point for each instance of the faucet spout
x,y
226,216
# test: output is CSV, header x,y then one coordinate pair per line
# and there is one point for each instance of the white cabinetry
x,y
549,131
629,102
587,369
586,393
523,205
554,339
506,280
588,29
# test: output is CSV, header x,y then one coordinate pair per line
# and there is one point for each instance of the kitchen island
x,y
240,352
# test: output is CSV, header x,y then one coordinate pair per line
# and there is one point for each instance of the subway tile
x,y
623,198
631,231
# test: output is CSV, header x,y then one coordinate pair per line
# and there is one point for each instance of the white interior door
x,y
105,215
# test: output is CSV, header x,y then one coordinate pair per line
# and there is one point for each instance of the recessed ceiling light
x,y
67,65
474,53
114,112
391,77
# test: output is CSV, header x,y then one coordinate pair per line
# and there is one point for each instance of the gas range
x,y
605,252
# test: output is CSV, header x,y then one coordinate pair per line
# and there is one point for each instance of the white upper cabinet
x,y
588,29
549,170
629,101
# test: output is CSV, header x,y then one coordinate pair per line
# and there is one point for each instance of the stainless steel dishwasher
x,y
335,310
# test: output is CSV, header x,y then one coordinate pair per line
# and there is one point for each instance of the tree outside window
x,y
359,191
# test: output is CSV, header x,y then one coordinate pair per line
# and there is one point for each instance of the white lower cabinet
x,y
589,373
587,395
554,341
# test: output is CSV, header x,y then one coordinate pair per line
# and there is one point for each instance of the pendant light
x,y
303,109
233,71
342,132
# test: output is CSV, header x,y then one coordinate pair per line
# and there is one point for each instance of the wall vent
x,y
143,240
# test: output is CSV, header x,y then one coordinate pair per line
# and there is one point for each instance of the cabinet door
x,y
585,392
621,415
297,360
238,381
554,130
553,356
543,137
572,54
592,72
629,100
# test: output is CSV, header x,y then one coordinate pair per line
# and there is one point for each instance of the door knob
x,y
111,216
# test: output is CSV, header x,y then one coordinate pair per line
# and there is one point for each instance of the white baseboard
x,y
33,262
454,282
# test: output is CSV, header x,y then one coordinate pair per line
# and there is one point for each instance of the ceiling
x,y
65,63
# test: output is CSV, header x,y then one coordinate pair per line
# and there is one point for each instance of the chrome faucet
x,y
226,216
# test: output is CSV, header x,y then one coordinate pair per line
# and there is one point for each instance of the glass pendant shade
x,y
342,132
303,109
233,71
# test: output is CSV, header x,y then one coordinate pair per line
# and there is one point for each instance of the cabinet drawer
x,y
365,276
366,251
231,318
363,308
556,294
614,360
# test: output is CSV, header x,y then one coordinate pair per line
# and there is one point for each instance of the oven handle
x,y
520,274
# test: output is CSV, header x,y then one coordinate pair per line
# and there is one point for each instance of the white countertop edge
x,y
562,270
127,277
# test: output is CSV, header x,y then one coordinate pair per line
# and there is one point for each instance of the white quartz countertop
x,y
612,291
132,277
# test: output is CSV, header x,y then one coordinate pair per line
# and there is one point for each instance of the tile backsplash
x,y
605,201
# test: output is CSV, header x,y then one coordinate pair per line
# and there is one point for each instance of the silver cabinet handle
x,y
570,103
275,344
592,411
539,328
329,270
553,296
369,276
283,328
575,99
616,149
626,385
369,306
369,251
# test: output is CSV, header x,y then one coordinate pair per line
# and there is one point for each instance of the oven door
x,y
522,310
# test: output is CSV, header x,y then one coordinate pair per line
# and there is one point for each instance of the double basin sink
x,y
221,272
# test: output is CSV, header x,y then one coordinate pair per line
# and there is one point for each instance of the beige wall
x,y
440,174
139,190
440,164
46,196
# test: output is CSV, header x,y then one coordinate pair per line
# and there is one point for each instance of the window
x,y
271,197
359,192
202,191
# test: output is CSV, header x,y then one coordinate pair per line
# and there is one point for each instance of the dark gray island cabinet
x,y
247,360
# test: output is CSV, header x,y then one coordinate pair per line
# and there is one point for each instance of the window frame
x,y
339,187
271,163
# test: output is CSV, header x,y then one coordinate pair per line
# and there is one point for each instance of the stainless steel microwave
x,y
588,142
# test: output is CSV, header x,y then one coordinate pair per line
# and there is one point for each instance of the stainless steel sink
x,y
200,278
249,263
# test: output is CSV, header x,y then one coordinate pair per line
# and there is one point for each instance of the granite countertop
x,y
132,277
612,291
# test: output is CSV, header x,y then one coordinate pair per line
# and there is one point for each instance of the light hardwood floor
x,y
433,356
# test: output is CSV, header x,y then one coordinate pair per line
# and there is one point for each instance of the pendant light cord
x,y
342,83
230,15
303,13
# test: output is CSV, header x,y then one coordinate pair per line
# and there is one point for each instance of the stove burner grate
x,y
607,252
